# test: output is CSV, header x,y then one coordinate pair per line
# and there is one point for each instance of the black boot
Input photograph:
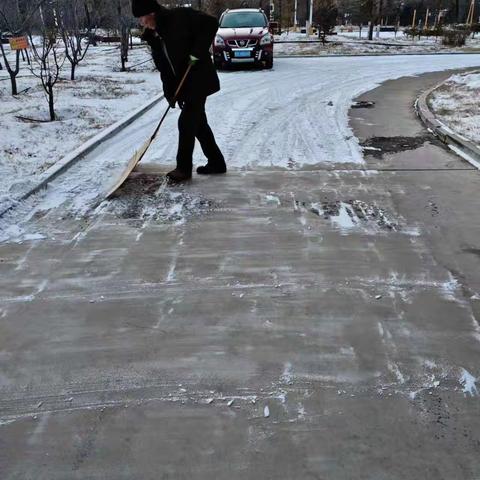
x,y
212,169
177,176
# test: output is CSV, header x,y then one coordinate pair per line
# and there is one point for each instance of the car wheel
x,y
269,64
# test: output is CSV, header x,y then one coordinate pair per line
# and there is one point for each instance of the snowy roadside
x,y
350,43
99,97
455,103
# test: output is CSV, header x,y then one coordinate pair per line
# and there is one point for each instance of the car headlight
x,y
266,39
219,41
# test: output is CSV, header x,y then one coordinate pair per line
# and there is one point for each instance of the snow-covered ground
x,y
351,43
99,96
456,104
292,117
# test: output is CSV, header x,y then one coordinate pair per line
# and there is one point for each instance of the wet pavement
x,y
264,324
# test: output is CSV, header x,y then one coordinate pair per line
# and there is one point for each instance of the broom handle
x,y
173,101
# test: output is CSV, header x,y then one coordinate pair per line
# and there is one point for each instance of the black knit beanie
x,y
143,7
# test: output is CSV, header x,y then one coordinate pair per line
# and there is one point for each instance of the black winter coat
x,y
182,32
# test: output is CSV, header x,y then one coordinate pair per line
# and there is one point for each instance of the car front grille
x,y
242,43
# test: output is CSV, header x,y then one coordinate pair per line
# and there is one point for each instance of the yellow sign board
x,y
18,43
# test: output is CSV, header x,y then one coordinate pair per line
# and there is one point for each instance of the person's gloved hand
x,y
171,102
193,60
149,36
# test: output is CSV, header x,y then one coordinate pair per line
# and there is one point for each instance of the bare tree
x,y
73,15
15,17
13,72
326,18
48,59
125,22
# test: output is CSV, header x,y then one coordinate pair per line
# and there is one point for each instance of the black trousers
x,y
193,124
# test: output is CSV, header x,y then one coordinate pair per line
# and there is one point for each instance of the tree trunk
x,y
72,71
51,104
370,30
13,81
124,46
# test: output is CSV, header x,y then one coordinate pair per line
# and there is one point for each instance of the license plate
x,y
242,54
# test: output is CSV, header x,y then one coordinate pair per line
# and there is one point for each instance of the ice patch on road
x,y
15,234
272,198
468,382
345,220
351,215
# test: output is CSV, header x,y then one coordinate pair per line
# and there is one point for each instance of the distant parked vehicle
x,y
243,37
6,38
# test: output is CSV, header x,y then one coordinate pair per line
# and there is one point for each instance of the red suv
x,y
243,37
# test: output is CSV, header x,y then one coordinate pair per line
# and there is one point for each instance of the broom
x,y
139,154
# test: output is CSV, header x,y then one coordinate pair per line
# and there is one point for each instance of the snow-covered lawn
x,y
99,96
456,104
347,43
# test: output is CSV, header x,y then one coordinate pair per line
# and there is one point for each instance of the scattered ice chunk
x,y
270,198
266,411
468,382
230,403
209,401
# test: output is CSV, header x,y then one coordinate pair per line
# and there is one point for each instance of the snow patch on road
x,y
468,381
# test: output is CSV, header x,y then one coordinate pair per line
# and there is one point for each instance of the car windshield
x,y
243,19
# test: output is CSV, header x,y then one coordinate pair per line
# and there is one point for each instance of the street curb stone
x,y
467,149
72,158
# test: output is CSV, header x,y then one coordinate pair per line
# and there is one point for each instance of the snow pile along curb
x,y
72,158
460,145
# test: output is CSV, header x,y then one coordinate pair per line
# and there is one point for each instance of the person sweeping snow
x,y
181,38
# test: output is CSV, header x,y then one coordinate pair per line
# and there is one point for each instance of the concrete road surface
x,y
317,324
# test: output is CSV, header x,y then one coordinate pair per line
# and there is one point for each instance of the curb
x,y
72,158
463,147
